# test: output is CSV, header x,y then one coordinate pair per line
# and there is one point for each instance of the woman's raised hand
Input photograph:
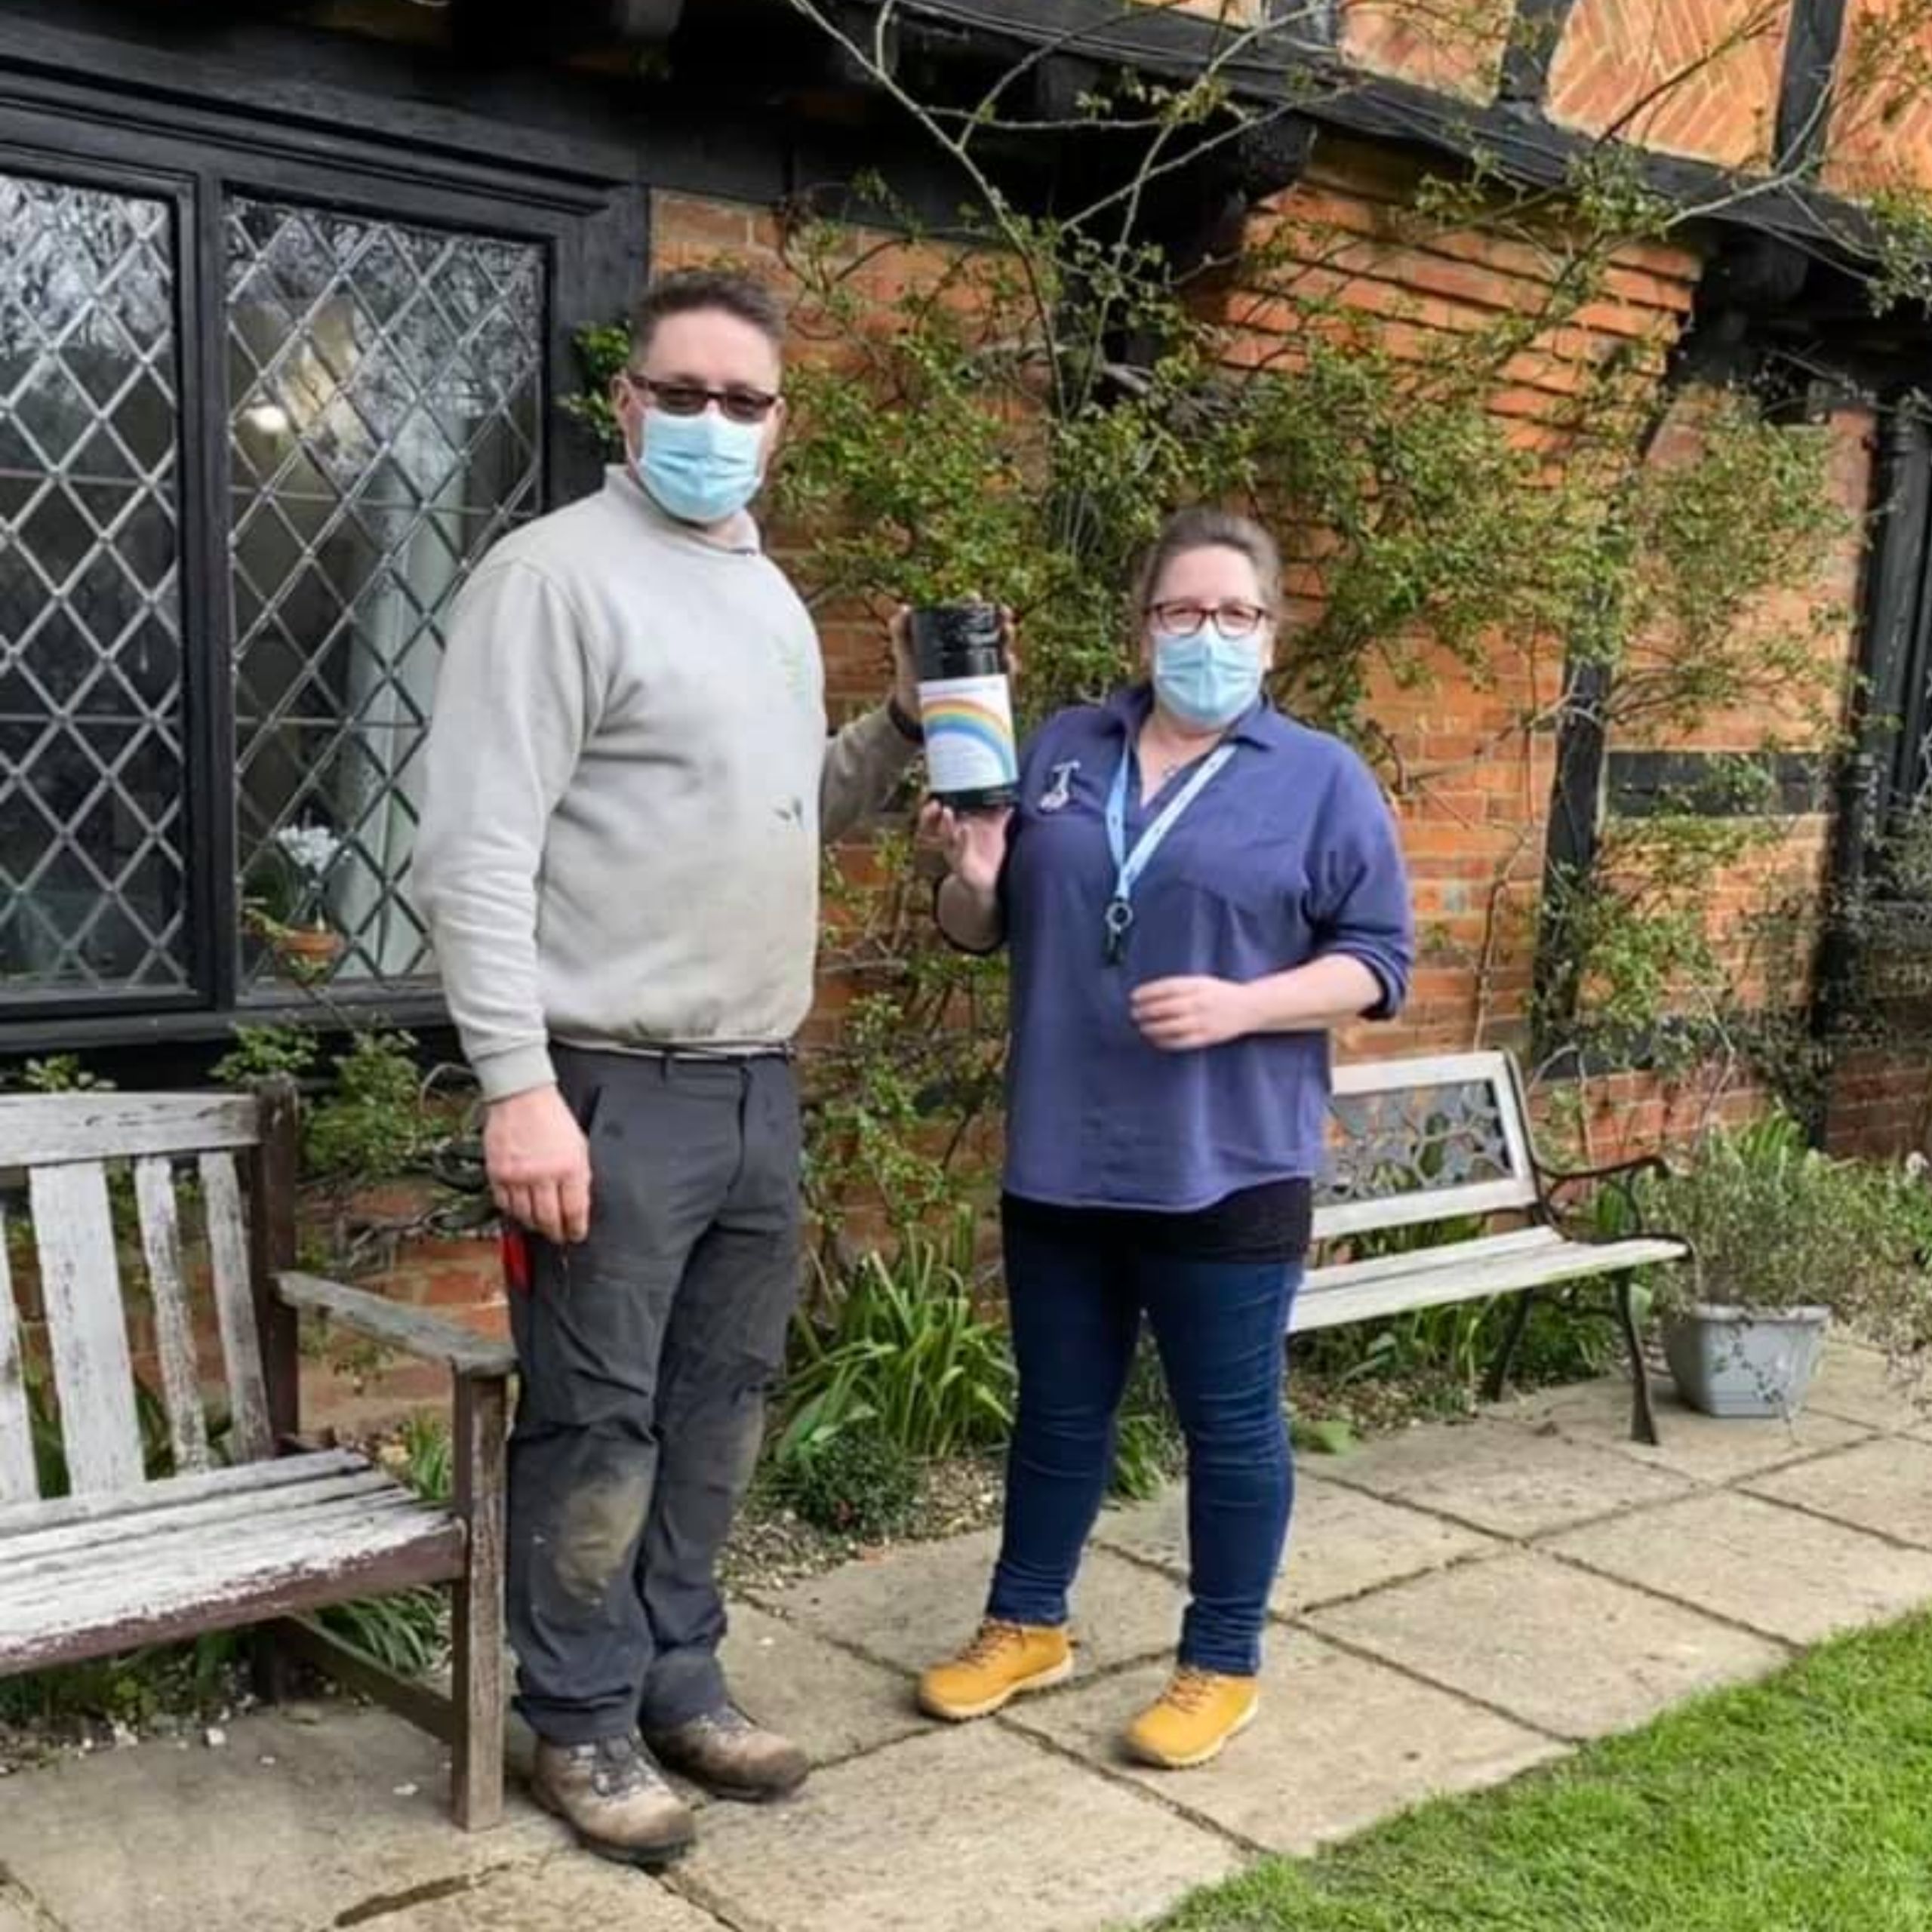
x,y
974,843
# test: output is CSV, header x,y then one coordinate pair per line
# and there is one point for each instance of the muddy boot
x,y
614,1799
731,1756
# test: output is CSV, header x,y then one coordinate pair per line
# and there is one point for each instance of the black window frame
x,y
587,210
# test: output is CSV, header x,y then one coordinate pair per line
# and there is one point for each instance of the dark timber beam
x,y
1812,46
1533,37
1284,66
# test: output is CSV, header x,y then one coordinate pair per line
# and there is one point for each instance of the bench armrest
x,y
431,1337
1625,1171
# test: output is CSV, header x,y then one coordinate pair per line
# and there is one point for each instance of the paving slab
x,y
1508,1480
1860,1385
957,1831
916,1604
1884,1485
18,1912
1342,1541
1340,1742
155,1837
1793,1575
1705,1448
833,1704
1574,1655
572,1892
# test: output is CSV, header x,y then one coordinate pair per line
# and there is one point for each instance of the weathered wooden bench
x,y
1414,1142
256,1529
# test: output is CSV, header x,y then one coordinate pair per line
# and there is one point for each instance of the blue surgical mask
x,y
1205,679
702,469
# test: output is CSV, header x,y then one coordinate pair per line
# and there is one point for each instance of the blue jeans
x,y
1077,1302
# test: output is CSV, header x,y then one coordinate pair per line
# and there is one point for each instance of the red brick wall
x,y
1473,821
1688,77
1452,47
1881,1102
1474,786
1881,132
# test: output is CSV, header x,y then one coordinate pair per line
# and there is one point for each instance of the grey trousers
x,y
646,1354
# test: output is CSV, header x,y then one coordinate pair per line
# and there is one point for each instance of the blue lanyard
x,y
1129,865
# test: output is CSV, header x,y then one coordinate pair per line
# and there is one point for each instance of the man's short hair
x,y
686,291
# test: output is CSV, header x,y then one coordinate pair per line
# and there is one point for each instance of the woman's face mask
x,y
1204,678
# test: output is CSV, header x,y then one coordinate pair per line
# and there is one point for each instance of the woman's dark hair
x,y
1203,527
686,291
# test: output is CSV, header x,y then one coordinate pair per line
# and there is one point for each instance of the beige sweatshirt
x,y
628,776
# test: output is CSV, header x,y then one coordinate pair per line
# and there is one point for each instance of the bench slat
x,y
173,1332
173,1491
192,1515
1474,1254
80,1283
136,1595
1420,1071
18,1479
37,1128
1330,1298
1434,1203
193,1545
235,1307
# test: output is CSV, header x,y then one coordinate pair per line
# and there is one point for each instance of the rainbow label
x,y
969,733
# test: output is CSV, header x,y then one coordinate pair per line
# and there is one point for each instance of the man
x,y
627,777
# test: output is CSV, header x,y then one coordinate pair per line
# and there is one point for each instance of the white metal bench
x,y
1414,1142
268,1528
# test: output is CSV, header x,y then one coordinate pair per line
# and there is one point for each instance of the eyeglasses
x,y
739,400
1232,619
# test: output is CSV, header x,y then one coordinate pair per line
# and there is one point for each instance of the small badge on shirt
x,y
1060,794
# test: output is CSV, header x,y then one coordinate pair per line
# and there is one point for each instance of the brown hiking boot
x,y
615,1799
732,1757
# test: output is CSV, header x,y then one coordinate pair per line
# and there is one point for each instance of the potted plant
x,y
293,920
1786,1240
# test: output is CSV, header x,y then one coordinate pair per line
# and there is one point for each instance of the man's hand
x,y
905,664
1179,1015
539,1163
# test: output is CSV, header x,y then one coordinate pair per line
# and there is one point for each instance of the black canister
x,y
966,705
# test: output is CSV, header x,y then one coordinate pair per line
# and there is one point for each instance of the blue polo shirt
x,y
1289,854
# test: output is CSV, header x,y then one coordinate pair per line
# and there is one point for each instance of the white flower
x,y
312,847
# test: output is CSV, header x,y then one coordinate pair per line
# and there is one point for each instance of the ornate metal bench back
x,y
1424,1139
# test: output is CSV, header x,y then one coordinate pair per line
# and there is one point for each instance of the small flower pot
x,y
307,951
1741,1361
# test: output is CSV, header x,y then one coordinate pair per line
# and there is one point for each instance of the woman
x,y
1195,889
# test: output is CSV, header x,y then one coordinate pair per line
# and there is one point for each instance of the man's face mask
x,y
702,469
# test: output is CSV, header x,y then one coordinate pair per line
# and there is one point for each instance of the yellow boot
x,y
1004,1660
1197,1714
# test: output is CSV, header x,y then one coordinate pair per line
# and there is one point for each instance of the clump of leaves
x,y
373,1125
857,1483
262,1052
1775,1224
902,1352
62,1073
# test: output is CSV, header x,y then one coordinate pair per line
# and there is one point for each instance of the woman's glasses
x,y
739,400
1233,620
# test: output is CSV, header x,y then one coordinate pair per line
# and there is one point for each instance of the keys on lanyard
x,y
1129,865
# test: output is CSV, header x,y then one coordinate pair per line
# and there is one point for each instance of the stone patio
x,y
1459,1604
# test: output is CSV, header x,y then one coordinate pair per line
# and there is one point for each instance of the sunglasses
x,y
740,401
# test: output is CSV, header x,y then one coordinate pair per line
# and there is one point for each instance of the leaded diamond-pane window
x,y
92,889
385,386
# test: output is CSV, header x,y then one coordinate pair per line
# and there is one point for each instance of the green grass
x,y
1800,1805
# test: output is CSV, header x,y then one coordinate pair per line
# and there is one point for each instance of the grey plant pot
x,y
1742,1361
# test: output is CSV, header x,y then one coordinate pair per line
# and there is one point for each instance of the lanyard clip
x,y
1119,918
